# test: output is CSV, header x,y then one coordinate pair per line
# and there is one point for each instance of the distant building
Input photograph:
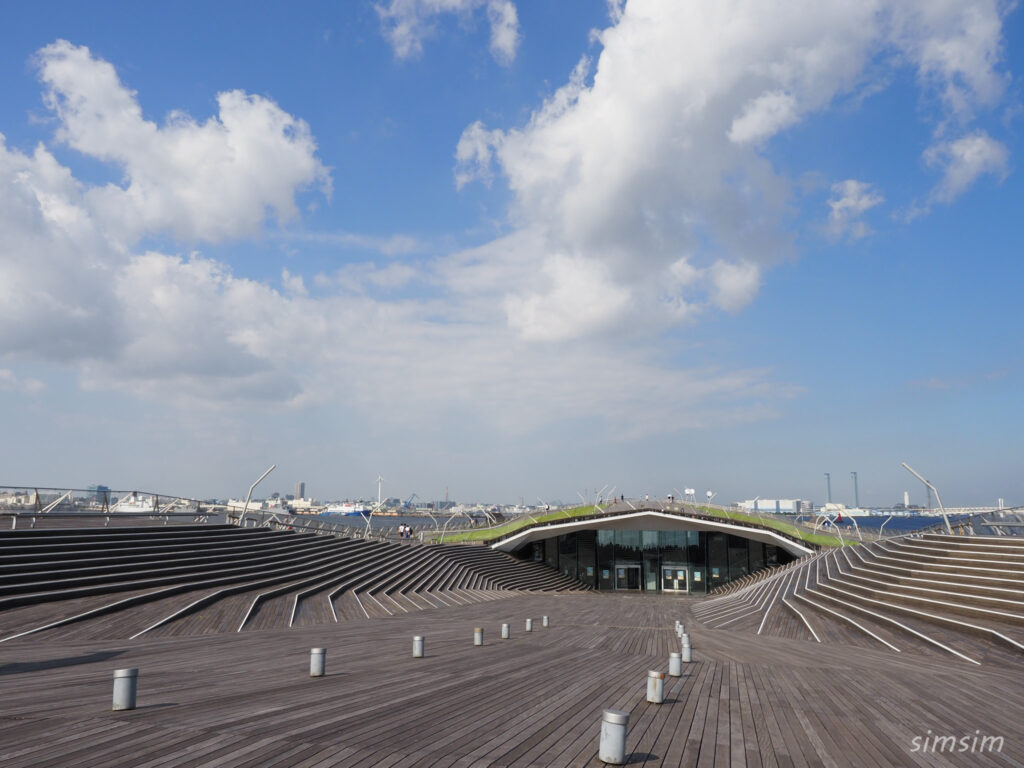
x,y
99,493
237,505
778,506
300,490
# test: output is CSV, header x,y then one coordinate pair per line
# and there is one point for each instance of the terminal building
x,y
653,552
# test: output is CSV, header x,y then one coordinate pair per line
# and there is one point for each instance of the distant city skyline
x,y
514,250
906,500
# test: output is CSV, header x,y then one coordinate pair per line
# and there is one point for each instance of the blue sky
x,y
513,250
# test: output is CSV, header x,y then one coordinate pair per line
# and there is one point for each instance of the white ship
x,y
134,503
348,508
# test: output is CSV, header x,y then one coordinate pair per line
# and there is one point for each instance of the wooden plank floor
x,y
534,700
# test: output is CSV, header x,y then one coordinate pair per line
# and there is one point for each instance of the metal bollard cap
x,y
478,629
616,717
675,655
417,637
317,651
132,672
657,674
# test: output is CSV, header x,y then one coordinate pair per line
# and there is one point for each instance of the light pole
x,y
856,492
249,496
928,485
369,517
828,488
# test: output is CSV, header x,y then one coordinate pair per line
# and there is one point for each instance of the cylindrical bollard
x,y
687,650
478,635
317,661
417,647
506,632
655,686
613,736
675,664
126,686
529,625
544,622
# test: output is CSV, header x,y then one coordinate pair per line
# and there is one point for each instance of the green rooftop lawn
x,y
484,535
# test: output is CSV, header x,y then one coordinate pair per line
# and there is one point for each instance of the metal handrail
x,y
197,517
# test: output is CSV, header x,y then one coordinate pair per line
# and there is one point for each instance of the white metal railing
x,y
35,503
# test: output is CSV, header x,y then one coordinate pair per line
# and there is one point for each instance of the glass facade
x,y
675,562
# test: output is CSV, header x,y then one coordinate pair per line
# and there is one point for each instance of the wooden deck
x,y
246,700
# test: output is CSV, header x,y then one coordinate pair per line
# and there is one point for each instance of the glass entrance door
x,y
673,579
627,577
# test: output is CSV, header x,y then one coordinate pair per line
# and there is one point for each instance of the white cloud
x,y
293,285
71,290
474,155
11,382
734,285
504,30
615,10
360,277
964,161
55,267
956,47
849,201
579,296
656,156
641,200
407,23
763,117
199,181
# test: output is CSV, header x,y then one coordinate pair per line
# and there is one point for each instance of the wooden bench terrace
x,y
843,658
